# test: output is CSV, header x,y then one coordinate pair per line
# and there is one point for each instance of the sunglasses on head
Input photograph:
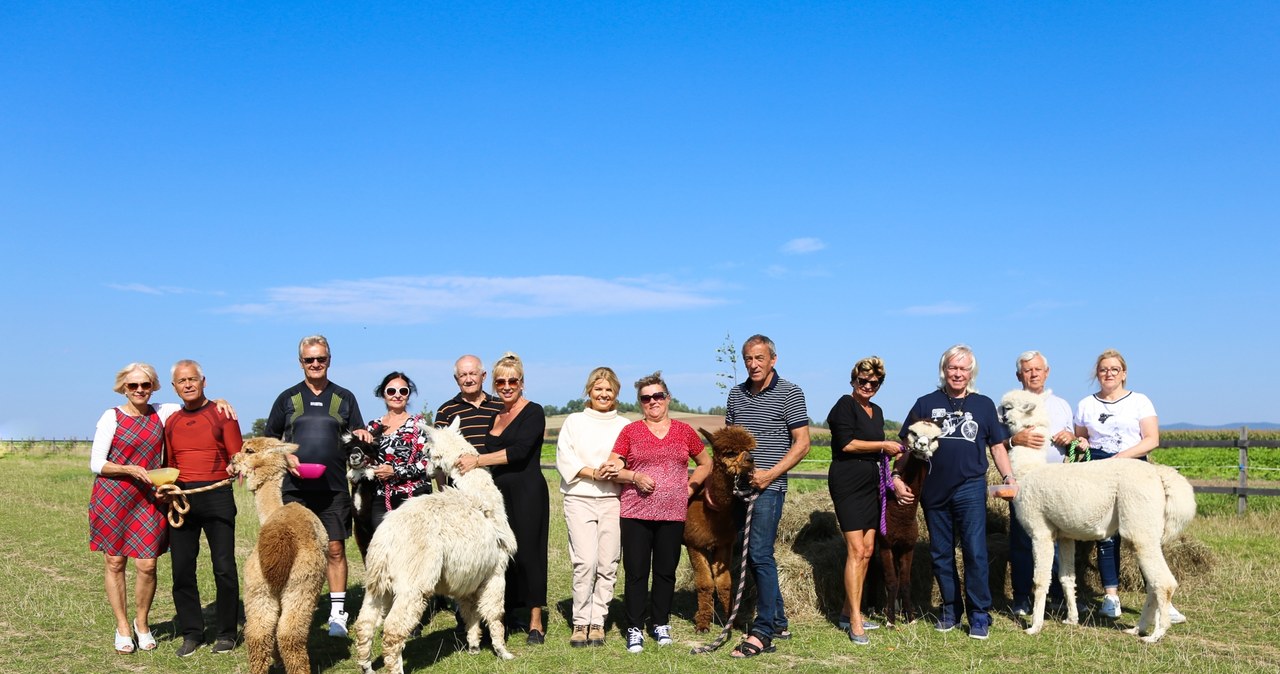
x,y
403,391
315,359
873,383
135,385
508,381
659,396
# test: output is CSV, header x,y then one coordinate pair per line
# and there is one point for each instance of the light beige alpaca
x,y
454,542
1148,504
286,569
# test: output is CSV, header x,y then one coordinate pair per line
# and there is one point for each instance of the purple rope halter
x,y
886,485
742,583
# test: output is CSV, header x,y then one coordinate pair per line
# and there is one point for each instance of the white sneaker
x,y
338,624
1111,606
1175,616
662,634
635,640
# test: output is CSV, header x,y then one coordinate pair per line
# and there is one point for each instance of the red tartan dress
x,y
124,517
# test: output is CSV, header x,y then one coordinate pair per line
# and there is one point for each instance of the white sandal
x,y
146,640
124,644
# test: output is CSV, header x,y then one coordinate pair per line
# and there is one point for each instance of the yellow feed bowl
x,y
163,476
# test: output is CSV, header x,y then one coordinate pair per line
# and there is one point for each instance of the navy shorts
x,y
332,507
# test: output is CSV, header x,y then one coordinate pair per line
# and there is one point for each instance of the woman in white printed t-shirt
x,y
1116,423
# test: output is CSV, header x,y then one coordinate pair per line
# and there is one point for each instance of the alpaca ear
x,y
456,423
706,434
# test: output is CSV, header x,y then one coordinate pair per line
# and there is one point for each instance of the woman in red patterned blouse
x,y
655,497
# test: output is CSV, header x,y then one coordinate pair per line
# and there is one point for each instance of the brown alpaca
x,y
286,569
708,534
897,547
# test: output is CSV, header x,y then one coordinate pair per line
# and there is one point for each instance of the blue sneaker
x,y
944,625
1111,606
979,631
1022,607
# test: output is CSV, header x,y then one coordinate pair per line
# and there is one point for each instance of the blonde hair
x,y
129,369
509,361
958,350
1110,353
872,365
608,376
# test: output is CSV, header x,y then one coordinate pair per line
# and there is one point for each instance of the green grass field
x,y
54,616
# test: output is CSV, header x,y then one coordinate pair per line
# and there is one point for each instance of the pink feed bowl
x,y
310,471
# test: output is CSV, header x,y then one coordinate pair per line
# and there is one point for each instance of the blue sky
x,y
626,183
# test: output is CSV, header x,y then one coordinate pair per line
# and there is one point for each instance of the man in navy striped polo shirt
x,y
772,409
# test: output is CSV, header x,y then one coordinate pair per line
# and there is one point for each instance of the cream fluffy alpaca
x,y
1148,504
286,569
454,542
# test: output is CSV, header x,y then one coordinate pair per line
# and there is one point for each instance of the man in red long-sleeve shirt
x,y
199,442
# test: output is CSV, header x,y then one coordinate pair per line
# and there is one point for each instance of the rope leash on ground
x,y
742,579
178,505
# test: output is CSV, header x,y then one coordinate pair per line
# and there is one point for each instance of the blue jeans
x,y
771,617
962,519
1022,563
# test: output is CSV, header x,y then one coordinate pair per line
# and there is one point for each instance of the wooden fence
x,y
1242,490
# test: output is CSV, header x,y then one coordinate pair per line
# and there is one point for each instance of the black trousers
x,y
214,513
646,542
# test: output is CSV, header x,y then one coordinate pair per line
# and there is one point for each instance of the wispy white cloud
x,y
160,290
803,245
939,309
425,299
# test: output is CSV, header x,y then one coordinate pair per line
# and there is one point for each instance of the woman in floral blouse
x,y
405,471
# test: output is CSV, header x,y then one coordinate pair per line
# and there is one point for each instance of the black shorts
x,y
332,507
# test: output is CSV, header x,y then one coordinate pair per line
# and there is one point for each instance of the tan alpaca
x,y
286,569
454,542
1068,502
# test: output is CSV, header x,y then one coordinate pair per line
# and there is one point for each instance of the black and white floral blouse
x,y
405,450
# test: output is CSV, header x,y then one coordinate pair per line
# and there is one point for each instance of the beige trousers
x,y
594,550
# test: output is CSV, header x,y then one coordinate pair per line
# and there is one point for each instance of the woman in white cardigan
x,y
591,504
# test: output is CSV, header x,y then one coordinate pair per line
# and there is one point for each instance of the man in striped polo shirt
x,y
773,410
476,407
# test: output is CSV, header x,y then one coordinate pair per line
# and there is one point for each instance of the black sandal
x,y
746,649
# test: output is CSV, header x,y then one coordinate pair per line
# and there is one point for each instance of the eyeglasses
x,y
186,380
136,385
315,359
646,399
873,383
508,381
1109,371
403,391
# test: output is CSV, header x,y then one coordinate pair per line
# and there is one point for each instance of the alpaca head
x,y
1023,409
447,445
261,460
731,449
360,454
922,438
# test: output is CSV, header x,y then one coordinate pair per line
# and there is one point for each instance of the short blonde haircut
x,y
871,365
509,362
129,369
606,374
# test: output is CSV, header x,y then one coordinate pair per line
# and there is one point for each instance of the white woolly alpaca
x,y
286,569
1148,504
454,542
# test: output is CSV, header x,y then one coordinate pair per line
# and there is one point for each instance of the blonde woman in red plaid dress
x,y
125,519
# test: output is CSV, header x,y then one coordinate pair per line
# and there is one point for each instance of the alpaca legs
x,y
704,583
371,612
404,614
262,614
1042,554
489,606
1067,578
721,562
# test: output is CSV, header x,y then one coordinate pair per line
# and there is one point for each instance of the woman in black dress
x,y
857,448
513,448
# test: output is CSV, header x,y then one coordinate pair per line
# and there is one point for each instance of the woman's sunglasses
x,y
510,381
135,385
403,391
873,383
659,396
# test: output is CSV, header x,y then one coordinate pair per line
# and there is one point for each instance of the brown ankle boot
x,y
595,635
579,637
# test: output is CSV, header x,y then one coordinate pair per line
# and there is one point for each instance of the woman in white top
x,y
1116,423
591,504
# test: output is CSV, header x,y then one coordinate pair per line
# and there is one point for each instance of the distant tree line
x,y
580,404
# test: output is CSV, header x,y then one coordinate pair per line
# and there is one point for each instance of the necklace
x,y
957,404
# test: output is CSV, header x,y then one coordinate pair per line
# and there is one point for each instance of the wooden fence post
x,y
1242,501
